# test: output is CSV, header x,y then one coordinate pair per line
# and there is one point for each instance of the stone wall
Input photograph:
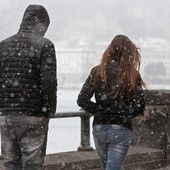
x,y
153,129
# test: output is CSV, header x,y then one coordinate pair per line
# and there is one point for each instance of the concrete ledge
x,y
76,160
138,157
141,158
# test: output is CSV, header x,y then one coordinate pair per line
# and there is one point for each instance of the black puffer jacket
x,y
28,68
108,109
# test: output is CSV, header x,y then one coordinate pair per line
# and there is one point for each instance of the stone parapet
x,y
138,157
152,130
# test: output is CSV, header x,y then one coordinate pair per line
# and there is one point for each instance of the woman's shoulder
x,y
94,69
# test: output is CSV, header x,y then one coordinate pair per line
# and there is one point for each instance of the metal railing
x,y
85,127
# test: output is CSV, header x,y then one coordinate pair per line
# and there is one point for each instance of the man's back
x,y
28,70
27,91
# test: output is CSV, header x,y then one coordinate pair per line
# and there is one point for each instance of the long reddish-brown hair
x,y
124,51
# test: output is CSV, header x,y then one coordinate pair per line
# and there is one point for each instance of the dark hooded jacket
x,y
108,109
28,68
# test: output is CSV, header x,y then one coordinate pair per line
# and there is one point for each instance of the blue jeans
x,y
23,142
112,143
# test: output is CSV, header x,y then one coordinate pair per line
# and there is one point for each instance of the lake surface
x,y
64,133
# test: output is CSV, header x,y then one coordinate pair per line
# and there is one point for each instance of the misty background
x,y
82,29
97,20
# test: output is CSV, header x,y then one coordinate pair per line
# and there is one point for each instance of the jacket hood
x,y
35,20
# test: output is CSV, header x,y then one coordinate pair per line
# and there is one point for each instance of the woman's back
x,y
117,87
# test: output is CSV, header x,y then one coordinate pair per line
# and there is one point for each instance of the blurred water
x,y
64,133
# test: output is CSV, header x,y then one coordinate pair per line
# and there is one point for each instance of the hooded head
x,y
35,20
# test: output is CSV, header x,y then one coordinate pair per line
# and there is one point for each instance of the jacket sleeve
x,y
137,104
48,79
85,95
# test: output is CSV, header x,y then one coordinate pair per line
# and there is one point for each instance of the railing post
x,y
85,134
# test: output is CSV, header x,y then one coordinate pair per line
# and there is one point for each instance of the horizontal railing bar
x,y
69,114
85,127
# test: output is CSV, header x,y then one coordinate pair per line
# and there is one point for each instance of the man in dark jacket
x,y
27,91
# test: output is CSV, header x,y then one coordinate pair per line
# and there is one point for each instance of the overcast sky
x,y
75,21
95,20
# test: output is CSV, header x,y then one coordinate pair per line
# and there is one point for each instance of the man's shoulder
x,y
43,40
35,39
48,40
8,39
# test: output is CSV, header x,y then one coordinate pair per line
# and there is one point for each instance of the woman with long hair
x,y
117,86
